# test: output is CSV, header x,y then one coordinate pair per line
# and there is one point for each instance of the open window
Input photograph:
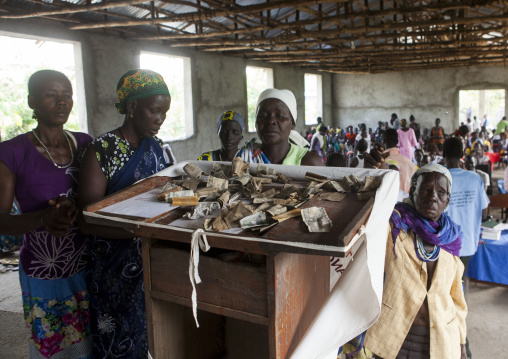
x,y
313,98
22,57
258,80
490,104
176,71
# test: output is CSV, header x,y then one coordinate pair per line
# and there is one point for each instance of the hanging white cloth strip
x,y
198,241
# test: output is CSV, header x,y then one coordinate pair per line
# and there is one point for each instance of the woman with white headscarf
x,y
275,120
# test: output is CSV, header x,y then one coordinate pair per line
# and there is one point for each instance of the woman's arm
x,y
311,158
92,188
57,218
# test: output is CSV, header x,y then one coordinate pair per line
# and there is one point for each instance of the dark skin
x,y
230,135
322,133
273,125
431,197
437,127
148,115
53,104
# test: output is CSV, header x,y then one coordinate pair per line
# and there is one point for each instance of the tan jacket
x,y
404,293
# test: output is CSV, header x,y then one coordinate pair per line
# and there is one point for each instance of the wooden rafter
x,y
327,35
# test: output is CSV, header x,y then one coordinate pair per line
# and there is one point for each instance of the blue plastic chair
x,y
500,186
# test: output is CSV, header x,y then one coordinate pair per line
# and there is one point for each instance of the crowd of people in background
x,y
86,298
346,146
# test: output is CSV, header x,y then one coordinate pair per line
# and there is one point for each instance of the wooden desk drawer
x,y
239,287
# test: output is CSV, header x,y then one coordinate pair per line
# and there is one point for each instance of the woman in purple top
x,y
40,169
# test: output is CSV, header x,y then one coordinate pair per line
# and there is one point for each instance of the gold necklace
x,y
49,154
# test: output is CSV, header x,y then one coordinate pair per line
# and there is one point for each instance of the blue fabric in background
x,y
489,262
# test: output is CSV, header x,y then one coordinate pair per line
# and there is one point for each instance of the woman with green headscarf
x,y
114,161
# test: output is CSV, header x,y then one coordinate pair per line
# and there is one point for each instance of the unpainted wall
x,y
218,82
426,94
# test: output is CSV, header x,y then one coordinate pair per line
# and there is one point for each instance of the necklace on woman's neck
x,y
422,253
49,154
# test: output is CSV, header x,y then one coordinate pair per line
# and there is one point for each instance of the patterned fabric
x,y
37,181
115,274
138,84
404,293
210,156
113,152
51,268
230,116
438,133
59,320
251,152
445,233
11,242
433,168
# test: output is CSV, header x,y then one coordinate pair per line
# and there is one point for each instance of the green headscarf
x,y
138,84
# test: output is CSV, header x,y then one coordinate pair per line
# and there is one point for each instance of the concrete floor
x,y
487,319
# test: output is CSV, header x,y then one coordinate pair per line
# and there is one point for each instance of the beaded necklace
x,y
422,253
49,154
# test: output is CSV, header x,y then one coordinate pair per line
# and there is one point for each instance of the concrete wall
x,y
218,82
427,95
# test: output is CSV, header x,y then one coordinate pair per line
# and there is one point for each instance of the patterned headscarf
x,y
444,233
230,116
432,167
138,84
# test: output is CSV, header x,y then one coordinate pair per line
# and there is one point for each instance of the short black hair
x,y
391,137
452,148
362,145
336,159
322,128
37,80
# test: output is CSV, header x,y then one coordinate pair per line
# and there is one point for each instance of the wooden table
x,y
278,291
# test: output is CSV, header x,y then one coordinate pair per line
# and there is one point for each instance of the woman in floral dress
x,y
114,161
40,168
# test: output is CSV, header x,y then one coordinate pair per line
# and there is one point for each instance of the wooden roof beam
x,y
193,16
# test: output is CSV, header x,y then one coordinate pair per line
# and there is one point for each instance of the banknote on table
x,y
217,183
257,219
239,167
371,184
192,170
316,219
236,213
277,209
331,196
224,198
203,209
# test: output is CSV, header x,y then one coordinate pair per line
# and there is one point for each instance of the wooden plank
x,y
237,286
347,216
202,306
177,337
301,285
131,191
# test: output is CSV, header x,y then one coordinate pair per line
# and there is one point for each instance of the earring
x,y
34,115
131,115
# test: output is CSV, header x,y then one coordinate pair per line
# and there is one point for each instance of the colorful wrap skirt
x,y
57,315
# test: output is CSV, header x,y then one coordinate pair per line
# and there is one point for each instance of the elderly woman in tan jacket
x,y
423,312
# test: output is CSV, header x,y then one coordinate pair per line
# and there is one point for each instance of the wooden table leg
x,y
298,285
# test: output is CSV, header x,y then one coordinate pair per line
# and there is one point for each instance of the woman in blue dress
x,y
114,161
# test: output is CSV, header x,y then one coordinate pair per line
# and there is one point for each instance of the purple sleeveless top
x,y
37,181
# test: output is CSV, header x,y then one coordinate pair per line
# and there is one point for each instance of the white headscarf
x,y
289,100
285,96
